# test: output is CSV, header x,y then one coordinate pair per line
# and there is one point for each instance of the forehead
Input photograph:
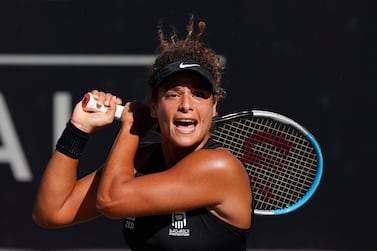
x,y
191,79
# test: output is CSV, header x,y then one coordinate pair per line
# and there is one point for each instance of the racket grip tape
x,y
90,104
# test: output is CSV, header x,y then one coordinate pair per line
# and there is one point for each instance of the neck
x,y
173,153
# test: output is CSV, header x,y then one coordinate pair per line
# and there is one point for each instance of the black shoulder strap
x,y
211,144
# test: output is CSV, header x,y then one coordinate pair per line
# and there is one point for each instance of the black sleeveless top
x,y
192,230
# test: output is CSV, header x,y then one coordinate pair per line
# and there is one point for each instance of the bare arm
x,y
119,168
62,199
214,179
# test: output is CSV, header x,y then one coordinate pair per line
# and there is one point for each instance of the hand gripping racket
x,y
89,104
283,160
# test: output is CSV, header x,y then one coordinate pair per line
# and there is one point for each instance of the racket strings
x,y
279,159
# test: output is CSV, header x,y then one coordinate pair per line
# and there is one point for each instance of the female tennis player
x,y
184,193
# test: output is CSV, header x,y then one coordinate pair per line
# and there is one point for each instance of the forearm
x,y
118,170
60,197
57,184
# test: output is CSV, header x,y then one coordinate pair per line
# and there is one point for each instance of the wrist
x,y
81,126
72,142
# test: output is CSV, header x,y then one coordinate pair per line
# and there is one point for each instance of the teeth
x,y
185,122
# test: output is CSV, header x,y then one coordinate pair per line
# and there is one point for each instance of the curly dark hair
x,y
191,48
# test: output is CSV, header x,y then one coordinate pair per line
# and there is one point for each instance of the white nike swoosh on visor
x,y
182,65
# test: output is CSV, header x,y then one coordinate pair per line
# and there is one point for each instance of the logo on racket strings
x,y
273,159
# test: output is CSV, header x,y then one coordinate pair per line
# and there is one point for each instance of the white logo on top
x,y
179,225
183,65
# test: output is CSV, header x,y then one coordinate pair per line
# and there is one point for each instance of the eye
x,y
171,94
201,93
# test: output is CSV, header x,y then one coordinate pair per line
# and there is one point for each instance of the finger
x,y
95,94
118,101
108,99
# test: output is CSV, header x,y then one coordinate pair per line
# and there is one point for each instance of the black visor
x,y
184,66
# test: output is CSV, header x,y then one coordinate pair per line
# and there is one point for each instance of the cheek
x,y
156,110
212,110
160,113
209,115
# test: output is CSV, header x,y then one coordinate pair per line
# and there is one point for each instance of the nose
x,y
186,103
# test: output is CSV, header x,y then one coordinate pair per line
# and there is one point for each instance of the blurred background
x,y
312,61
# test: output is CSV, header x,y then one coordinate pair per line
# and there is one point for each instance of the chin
x,y
185,142
188,141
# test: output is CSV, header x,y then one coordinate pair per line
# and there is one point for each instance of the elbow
x,y
40,218
107,208
104,207
102,203
48,220
111,203
41,221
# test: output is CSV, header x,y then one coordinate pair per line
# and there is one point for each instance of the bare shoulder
x,y
219,163
220,159
228,182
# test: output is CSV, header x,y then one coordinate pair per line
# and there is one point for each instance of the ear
x,y
214,108
153,110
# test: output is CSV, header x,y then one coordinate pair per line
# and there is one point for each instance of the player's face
x,y
185,107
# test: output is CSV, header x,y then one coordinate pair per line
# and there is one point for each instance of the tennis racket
x,y
283,160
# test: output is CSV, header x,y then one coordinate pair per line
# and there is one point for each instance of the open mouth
x,y
185,125
185,122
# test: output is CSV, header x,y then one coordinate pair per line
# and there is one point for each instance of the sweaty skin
x,y
195,178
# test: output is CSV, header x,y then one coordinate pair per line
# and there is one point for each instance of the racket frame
x,y
287,121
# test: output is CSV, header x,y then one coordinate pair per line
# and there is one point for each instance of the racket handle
x,y
90,104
